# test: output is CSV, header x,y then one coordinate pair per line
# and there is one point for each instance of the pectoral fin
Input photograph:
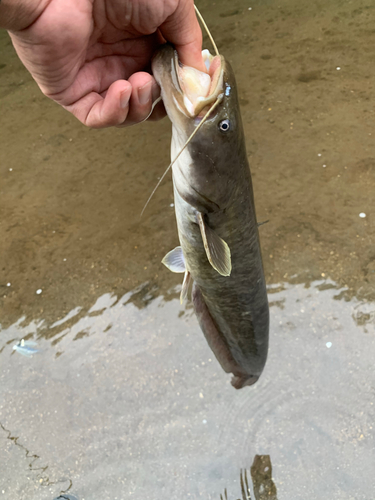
x,y
174,261
217,250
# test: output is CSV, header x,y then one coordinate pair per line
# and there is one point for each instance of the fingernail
x,y
124,99
144,93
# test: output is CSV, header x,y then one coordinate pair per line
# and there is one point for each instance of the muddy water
x,y
124,398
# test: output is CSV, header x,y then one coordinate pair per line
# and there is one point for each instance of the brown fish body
x,y
215,215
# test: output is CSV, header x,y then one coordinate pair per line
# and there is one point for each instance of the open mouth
x,y
200,89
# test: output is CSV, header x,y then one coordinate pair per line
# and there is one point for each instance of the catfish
x,y
219,251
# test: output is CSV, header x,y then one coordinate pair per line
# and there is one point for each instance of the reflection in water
x,y
120,409
67,317
261,474
135,363
106,308
26,348
364,314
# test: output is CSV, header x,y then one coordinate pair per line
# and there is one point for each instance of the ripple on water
x,y
312,410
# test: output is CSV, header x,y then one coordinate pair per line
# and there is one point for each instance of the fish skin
x,y
212,177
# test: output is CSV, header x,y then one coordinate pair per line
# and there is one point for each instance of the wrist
x,y
17,15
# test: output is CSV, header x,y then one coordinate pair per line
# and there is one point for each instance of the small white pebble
x,y
8,284
329,344
64,260
10,169
324,166
338,68
250,8
362,215
171,205
39,291
204,421
319,154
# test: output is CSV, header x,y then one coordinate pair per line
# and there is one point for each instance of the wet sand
x,y
116,401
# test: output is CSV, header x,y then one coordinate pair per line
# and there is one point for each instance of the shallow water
x,y
125,398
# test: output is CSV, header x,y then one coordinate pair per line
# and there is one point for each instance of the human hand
x,y
89,55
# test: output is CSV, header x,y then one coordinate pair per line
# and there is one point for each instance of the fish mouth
x,y
199,90
191,91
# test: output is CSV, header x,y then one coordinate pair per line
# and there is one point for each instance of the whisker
x,y
207,30
216,103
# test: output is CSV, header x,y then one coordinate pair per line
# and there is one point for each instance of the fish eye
x,y
224,125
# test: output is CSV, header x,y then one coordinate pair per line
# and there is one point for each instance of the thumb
x,y
183,30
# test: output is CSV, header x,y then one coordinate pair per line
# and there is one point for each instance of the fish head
x,y
187,92
190,98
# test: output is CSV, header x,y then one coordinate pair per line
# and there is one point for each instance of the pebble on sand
x,y
362,215
39,291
